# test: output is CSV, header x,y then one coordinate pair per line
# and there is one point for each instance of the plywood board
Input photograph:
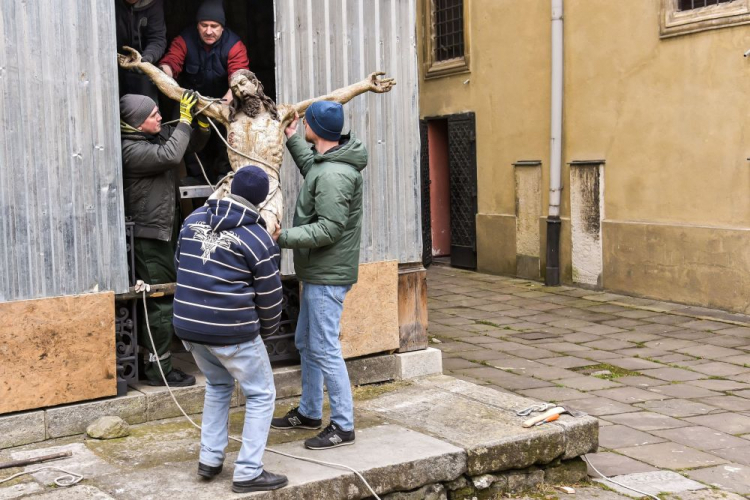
x,y
369,324
57,350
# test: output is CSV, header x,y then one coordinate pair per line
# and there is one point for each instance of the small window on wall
x,y
447,40
680,17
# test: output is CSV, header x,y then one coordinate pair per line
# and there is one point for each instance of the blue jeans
x,y
249,364
317,340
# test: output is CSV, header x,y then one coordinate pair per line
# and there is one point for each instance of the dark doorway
x,y
449,189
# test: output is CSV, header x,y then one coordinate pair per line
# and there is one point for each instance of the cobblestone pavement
x,y
669,383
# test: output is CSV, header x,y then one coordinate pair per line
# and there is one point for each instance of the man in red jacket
x,y
202,58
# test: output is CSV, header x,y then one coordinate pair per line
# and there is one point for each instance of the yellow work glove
x,y
202,122
186,105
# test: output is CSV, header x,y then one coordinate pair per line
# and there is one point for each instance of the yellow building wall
x,y
669,117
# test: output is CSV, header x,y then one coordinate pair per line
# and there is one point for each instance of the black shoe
x,y
175,378
208,471
267,481
295,420
331,437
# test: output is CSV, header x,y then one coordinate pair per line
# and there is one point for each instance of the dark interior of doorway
x,y
252,21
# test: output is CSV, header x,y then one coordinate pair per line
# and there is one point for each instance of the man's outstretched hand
x,y
276,233
291,129
380,85
131,58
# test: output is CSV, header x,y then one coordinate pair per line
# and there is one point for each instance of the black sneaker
x,y
295,420
331,437
175,378
267,481
208,471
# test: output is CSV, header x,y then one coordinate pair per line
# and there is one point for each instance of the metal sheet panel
x,y
323,45
61,213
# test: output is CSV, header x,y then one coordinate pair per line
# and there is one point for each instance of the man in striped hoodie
x,y
228,294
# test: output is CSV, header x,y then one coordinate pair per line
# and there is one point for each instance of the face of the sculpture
x,y
245,88
210,31
152,125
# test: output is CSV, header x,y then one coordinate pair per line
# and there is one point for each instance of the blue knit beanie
x,y
212,10
251,183
326,118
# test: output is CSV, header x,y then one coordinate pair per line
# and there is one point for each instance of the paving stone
x,y
516,365
587,383
702,438
457,364
624,323
672,358
504,379
709,351
740,455
78,492
706,325
718,369
609,345
566,347
552,373
732,477
566,362
634,364
613,464
642,352
720,385
632,336
743,394
687,334
457,347
741,331
679,407
629,395
709,494
553,394
640,381
646,421
671,344
670,319
601,355
744,378
621,436
482,355
580,338
731,423
22,428
635,314
600,406
725,341
685,391
671,456
602,330
672,374
20,490
741,359
657,329
730,403
652,483
532,353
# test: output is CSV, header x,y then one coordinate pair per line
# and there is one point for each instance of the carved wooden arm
x,y
373,83
168,86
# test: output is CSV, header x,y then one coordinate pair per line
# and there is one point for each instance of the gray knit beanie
x,y
135,109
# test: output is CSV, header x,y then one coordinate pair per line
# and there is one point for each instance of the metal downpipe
x,y
552,275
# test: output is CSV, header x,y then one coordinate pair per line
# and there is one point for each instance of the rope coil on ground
x,y
68,479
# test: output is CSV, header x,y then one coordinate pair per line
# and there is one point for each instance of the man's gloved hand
x,y
186,105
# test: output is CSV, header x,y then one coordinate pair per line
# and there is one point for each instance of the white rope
x,y
305,459
615,482
68,479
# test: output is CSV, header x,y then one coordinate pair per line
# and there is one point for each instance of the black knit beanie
x,y
212,10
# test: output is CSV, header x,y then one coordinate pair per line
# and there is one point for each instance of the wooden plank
x,y
412,308
56,351
369,324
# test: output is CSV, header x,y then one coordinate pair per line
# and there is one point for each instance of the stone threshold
x,y
144,403
433,437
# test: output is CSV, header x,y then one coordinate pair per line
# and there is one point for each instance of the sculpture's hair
x,y
252,108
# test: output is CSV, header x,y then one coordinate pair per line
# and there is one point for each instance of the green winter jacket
x,y
328,217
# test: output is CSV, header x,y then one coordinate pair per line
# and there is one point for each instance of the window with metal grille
x,y
697,4
449,29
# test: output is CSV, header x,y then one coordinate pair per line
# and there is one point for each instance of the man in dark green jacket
x,y
151,156
325,238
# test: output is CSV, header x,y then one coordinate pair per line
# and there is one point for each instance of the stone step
x,y
429,435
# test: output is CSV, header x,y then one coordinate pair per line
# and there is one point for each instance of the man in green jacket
x,y
325,239
151,156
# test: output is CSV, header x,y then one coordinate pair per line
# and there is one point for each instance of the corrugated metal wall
x,y
61,223
323,45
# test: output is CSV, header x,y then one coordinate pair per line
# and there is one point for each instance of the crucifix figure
x,y
255,124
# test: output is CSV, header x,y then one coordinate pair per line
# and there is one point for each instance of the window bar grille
x,y
449,29
698,4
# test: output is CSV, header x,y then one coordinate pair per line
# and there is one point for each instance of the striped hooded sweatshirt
x,y
228,283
